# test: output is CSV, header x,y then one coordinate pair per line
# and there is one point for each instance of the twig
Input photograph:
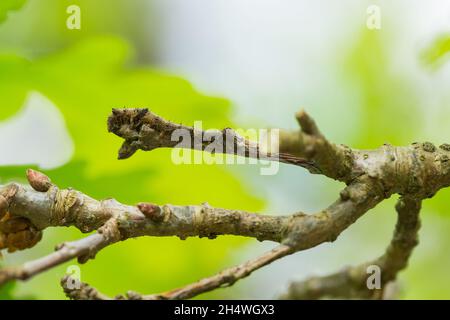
x,y
83,249
227,277
308,148
60,207
416,172
223,279
352,281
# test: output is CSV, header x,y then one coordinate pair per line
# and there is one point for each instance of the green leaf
x,y
85,82
8,5
6,291
438,52
386,95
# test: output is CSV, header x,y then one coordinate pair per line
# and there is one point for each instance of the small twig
x,y
76,290
66,252
144,130
351,282
83,249
223,279
57,207
227,277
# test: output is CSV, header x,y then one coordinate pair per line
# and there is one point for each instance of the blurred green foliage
x,y
85,80
390,112
386,95
8,5
436,54
87,72
6,291
39,28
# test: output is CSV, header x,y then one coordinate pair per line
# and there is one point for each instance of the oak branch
x,y
415,172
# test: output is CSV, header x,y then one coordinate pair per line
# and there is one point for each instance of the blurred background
x,y
246,64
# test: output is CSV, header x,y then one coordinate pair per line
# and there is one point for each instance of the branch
x,y
352,282
76,290
82,249
420,169
416,172
223,279
227,277
51,206
307,148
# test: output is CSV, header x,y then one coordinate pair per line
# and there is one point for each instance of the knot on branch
x,y
151,211
76,290
126,122
65,200
140,129
202,220
110,231
420,169
16,233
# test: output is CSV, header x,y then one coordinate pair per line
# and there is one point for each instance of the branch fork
x,y
415,172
